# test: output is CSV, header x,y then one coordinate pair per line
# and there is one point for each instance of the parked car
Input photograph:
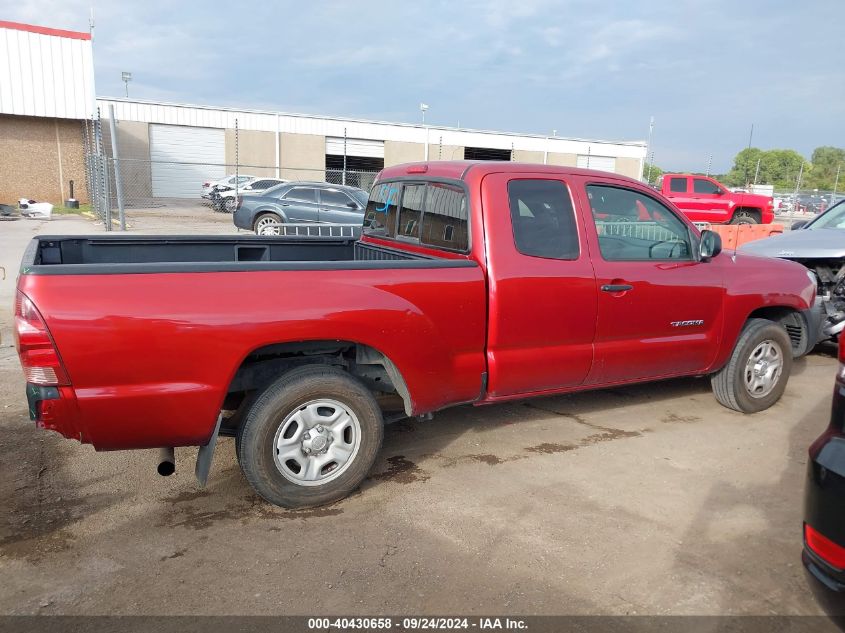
x,y
209,186
824,506
299,202
703,199
819,245
225,198
566,280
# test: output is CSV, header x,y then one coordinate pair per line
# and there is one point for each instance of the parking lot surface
x,y
650,499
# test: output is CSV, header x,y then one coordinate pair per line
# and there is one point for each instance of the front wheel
x,y
756,374
745,217
310,438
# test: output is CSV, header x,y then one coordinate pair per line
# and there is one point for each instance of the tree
x,y
826,161
778,167
651,173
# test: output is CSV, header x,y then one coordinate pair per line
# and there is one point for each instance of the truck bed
x,y
122,254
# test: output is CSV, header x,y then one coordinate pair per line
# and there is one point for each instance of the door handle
x,y
616,287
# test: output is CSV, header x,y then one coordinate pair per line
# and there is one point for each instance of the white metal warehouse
x,y
189,143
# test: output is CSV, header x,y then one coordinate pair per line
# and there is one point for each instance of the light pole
x,y
648,147
835,183
424,109
126,77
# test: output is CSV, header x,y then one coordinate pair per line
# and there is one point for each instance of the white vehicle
x,y
225,198
209,186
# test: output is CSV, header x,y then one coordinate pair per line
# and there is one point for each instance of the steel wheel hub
x,y
763,369
316,442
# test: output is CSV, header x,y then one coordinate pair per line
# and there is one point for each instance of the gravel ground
x,y
642,500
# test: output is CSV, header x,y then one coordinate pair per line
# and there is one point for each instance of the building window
x,y
485,153
600,163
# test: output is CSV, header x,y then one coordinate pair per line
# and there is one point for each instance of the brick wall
x,y
30,165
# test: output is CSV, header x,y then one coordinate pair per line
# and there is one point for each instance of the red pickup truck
x,y
703,199
474,282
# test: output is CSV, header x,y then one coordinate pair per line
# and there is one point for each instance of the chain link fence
x,y
125,188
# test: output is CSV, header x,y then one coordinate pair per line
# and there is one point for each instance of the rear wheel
x,y
756,374
310,438
745,217
267,224
230,204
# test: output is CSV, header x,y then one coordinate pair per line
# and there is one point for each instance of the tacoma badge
x,y
687,323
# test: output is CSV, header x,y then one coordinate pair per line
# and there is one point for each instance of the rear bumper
x,y
243,218
55,409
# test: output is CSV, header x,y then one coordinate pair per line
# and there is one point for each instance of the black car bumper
x,y
824,512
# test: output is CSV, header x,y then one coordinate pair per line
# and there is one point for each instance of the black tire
x,y
257,436
265,216
745,217
729,384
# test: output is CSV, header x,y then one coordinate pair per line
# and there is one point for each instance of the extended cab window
x,y
445,221
543,219
632,226
678,185
700,185
380,218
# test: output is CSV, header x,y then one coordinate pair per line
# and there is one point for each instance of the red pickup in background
x,y
703,199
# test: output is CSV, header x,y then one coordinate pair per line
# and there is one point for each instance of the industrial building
x,y
46,95
183,141
167,150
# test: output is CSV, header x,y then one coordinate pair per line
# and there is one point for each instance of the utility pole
x,y
709,164
797,186
750,136
835,183
757,171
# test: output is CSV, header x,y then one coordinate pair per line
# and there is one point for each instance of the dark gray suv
x,y
295,202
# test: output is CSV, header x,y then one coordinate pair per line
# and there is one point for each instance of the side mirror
x,y
800,224
351,205
710,246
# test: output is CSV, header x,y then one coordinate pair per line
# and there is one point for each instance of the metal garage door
x,y
601,163
354,147
184,158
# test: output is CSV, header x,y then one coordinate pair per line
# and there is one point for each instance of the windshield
x,y
834,218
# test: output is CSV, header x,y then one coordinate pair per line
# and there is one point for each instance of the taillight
x,y
36,349
824,548
206,184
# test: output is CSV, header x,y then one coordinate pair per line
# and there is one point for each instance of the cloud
x,y
705,69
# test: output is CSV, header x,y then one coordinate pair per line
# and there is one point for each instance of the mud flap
x,y
206,454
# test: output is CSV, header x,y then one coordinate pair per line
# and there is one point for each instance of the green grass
x,y
62,210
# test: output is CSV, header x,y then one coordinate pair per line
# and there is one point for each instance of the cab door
x,y
542,290
710,201
659,306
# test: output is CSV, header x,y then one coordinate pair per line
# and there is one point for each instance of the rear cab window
x,y
434,214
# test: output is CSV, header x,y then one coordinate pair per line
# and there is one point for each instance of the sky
x,y
706,71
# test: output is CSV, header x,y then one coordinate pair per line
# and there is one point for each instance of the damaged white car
x,y
818,244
